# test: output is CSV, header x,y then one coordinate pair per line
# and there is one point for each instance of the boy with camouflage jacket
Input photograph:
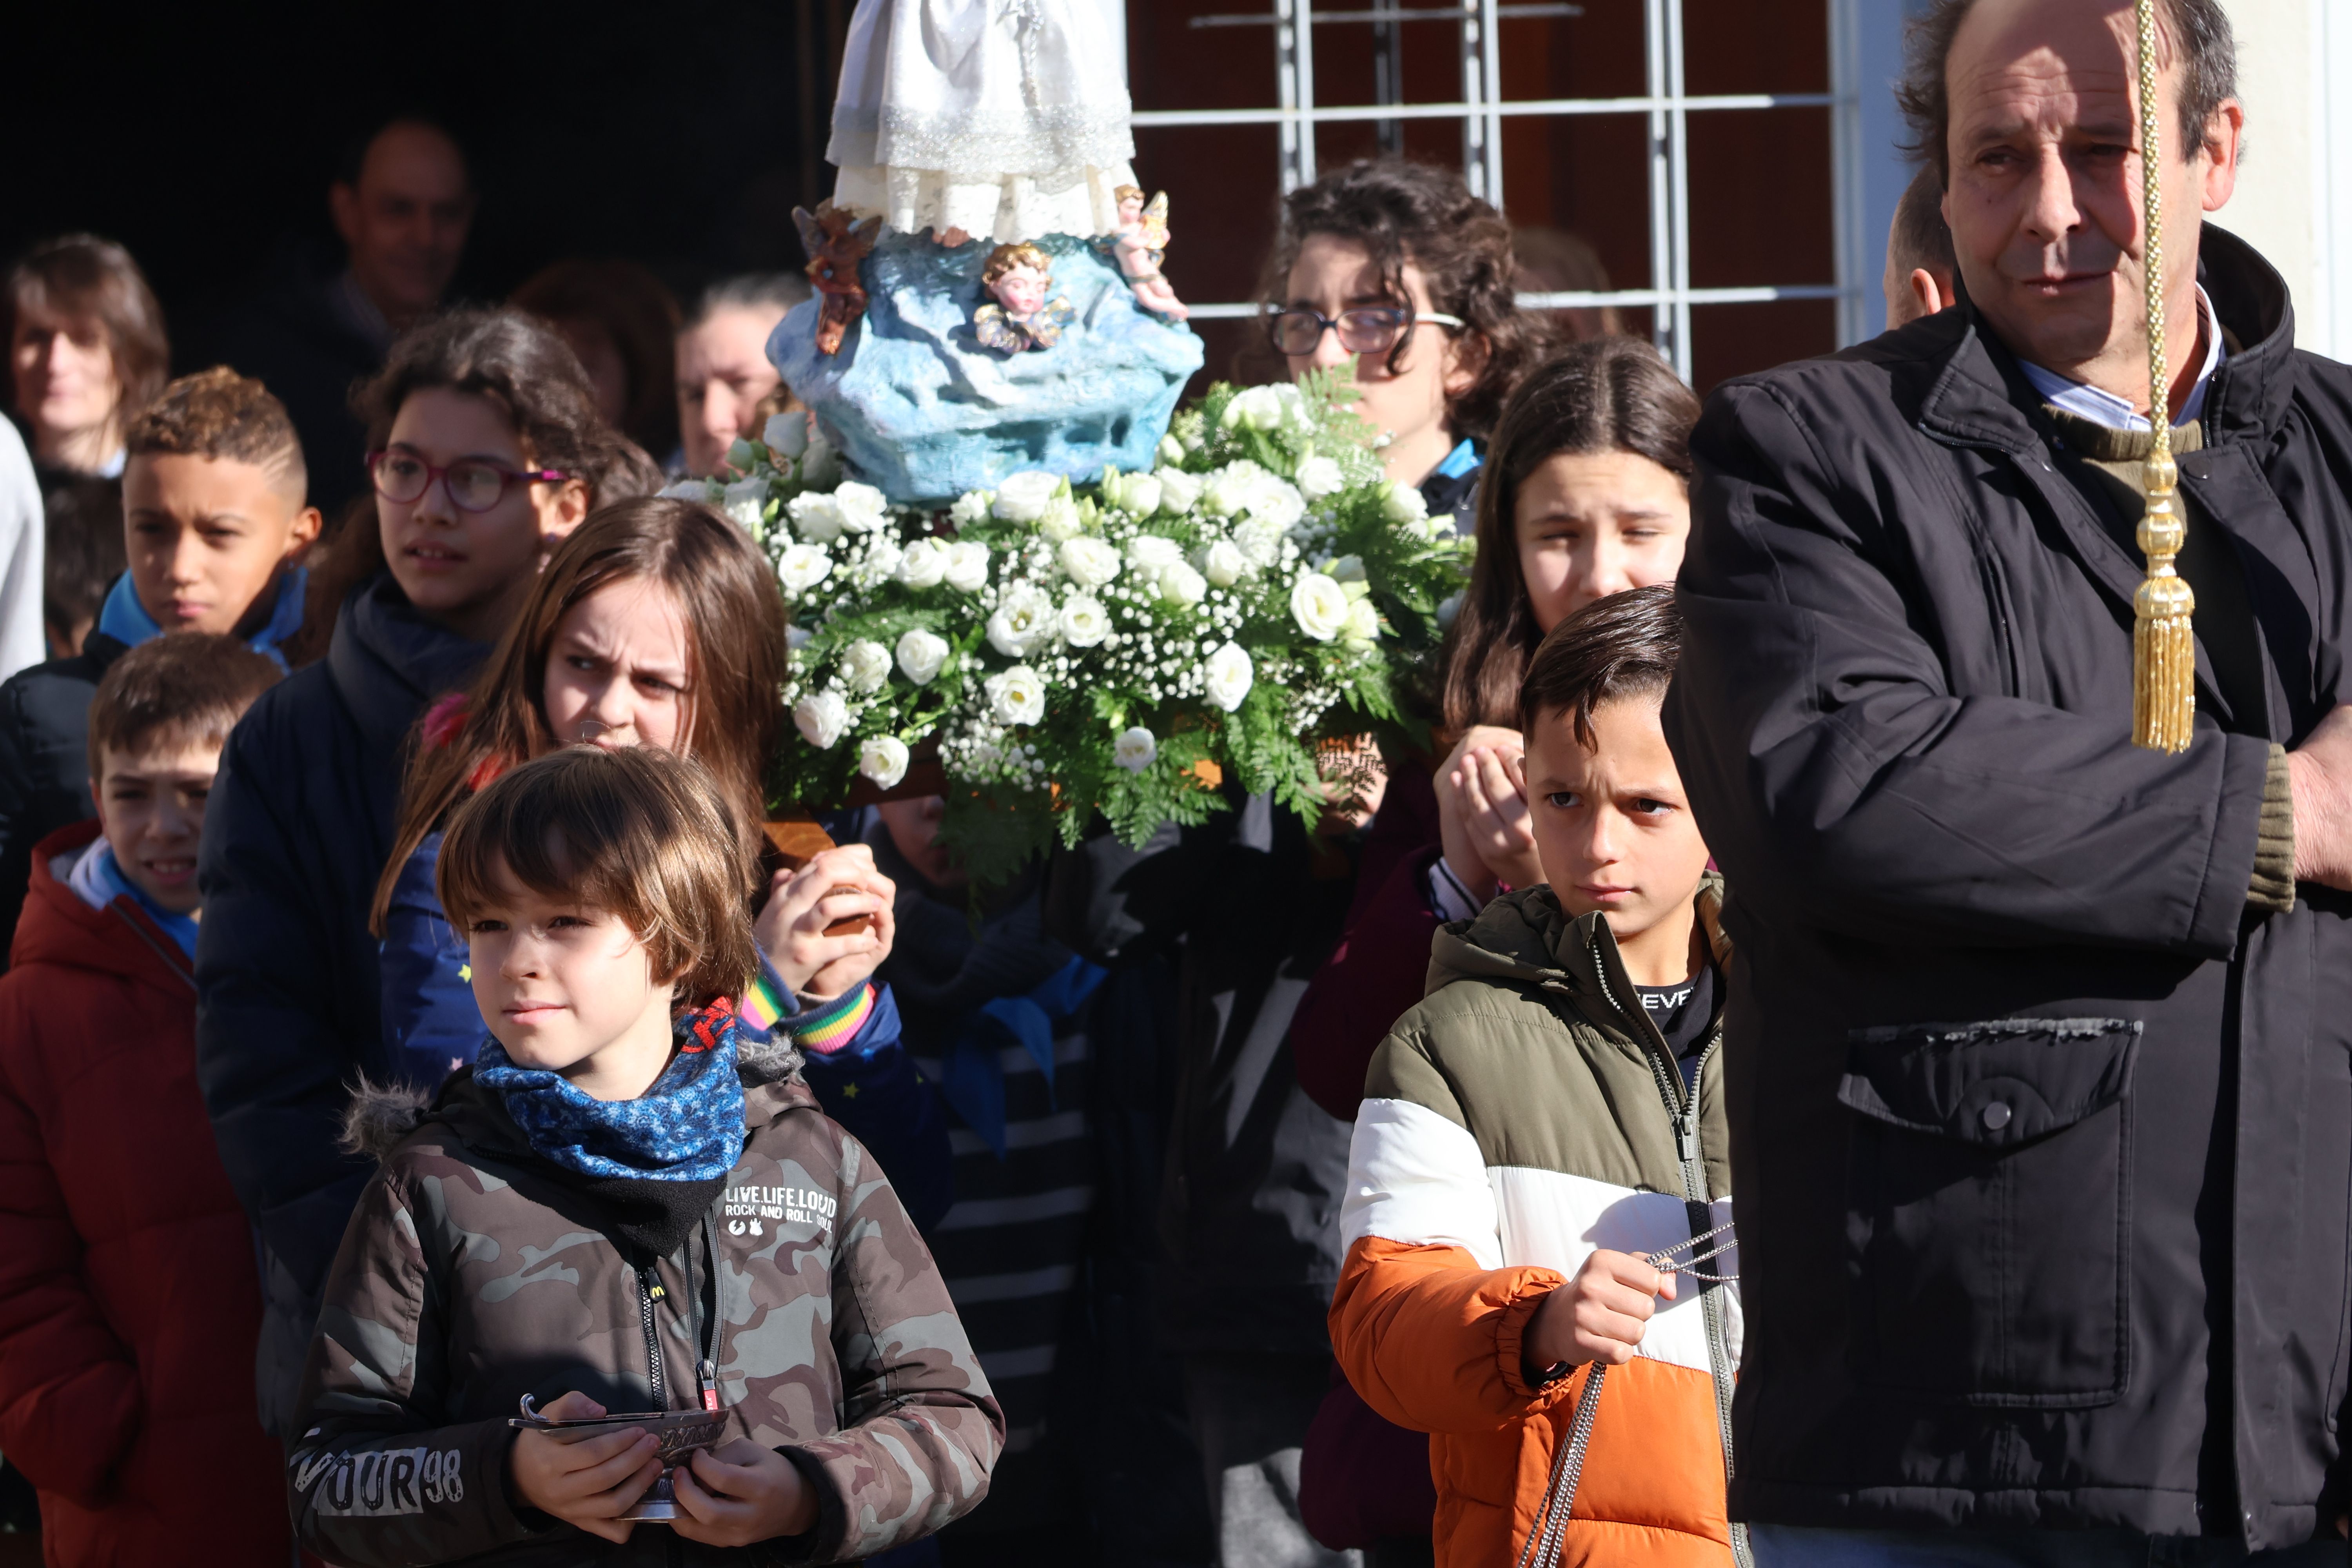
x,y
787,1290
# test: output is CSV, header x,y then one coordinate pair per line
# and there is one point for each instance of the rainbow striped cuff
x,y
827,1027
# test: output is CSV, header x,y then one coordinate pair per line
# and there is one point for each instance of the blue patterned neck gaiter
x,y
688,1127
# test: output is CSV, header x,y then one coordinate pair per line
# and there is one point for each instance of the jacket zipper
x,y
649,1290
1682,1110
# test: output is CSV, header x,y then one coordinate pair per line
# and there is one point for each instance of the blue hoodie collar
x,y
126,620
97,880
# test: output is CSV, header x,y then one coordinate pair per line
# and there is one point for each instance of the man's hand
x,y
801,904
585,1482
1599,1314
747,1493
1482,818
2319,776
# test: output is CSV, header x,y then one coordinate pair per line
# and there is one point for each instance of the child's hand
x,y
587,1483
1482,813
803,903
1599,1315
747,1493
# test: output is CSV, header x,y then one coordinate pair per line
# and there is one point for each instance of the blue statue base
x,y
918,409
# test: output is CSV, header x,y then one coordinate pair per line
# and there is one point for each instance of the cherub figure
x,y
1140,243
1020,276
836,244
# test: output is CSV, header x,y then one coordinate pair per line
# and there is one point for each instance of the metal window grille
x,y
1482,108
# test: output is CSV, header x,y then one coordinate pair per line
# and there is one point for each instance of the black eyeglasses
x,y
1365,330
473,484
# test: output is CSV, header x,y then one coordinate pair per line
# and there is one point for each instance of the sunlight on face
x,y
207,535
1612,827
150,804
618,670
1590,524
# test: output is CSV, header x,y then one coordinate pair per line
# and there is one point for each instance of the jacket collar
x,y
388,660
58,927
1528,937
1979,397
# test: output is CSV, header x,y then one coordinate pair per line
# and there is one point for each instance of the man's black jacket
x,y
2041,1134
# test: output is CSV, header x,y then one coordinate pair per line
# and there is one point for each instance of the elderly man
x,y
2040,1044
402,203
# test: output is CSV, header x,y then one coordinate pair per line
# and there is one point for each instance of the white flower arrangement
x,y
1117,647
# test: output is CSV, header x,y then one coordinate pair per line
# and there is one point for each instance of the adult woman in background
x,y
623,324
87,349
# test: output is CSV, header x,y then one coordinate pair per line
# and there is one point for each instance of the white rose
x,y
1320,477
744,500
882,558
1135,749
1060,520
1090,563
1171,451
786,434
1180,492
923,563
1137,493
1230,491
1179,585
1150,553
1347,569
1024,619
686,489
967,570
970,508
815,518
822,716
1403,503
801,568
1277,502
883,759
1259,541
1363,622
1085,622
921,654
1258,408
1022,498
1223,563
866,665
861,508
1015,696
1226,677
1319,605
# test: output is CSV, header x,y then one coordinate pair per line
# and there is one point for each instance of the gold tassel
x,y
2164,648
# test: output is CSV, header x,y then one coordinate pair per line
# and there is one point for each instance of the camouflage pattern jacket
x,y
473,1274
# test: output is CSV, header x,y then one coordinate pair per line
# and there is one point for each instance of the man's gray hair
x,y
2199,29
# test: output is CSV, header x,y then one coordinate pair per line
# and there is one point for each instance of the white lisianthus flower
x,y
1225,679
1016,696
1150,553
1401,503
866,665
1180,492
1319,605
861,508
1022,497
1022,621
921,654
1179,585
883,759
1171,451
1231,489
821,716
970,508
1256,408
744,500
1089,561
1320,477
1363,622
1448,609
686,489
739,455
1346,569
801,568
882,558
923,563
786,434
1259,541
1277,502
1134,750
1060,520
815,518
1223,563
967,570
1085,622
1137,493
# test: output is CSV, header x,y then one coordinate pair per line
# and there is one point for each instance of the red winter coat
x,y
128,1301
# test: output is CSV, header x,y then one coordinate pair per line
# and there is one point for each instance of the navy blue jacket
x,y
296,833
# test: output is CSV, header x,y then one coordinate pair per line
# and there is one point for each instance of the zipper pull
x,y
1686,1139
708,1377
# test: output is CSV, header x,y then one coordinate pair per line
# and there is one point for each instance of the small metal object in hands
x,y
680,1432
1663,1259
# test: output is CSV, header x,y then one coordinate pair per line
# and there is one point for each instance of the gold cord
x,y
2164,649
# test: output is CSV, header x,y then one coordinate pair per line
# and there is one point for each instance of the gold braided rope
x,y
2164,649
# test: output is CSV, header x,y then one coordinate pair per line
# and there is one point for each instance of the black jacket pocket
x,y
1988,1208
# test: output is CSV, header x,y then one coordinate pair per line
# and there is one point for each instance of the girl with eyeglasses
x,y
486,449
1399,267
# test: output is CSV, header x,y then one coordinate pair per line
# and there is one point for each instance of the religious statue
x,y
836,244
1140,243
1021,318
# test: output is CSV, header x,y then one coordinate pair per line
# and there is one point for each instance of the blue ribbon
x,y
972,1075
